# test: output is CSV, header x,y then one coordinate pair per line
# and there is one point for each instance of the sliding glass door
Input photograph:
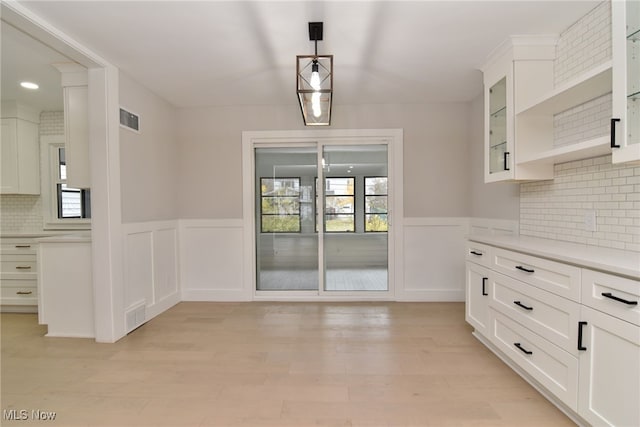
x,y
286,238
322,218
355,217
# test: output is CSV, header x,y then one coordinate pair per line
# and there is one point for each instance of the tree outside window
x,y
280,205
376,204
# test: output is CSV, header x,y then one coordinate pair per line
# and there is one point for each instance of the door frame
x,y
264,139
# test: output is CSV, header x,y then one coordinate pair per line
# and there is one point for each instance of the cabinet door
x,y
609,383
499,125
77,136
20,157
477,297
625,125
9,157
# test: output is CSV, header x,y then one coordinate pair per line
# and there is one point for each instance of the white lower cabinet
x,y
551,366
544,313
580,341
18,275
609,370
477,297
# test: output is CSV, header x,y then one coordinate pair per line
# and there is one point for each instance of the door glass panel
x,y
497,126
286,240
355,225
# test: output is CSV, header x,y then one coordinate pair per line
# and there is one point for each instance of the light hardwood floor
x,y
271,364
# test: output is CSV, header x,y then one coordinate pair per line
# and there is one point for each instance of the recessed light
x,y
29,85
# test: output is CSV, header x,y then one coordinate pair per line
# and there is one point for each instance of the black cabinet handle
x,y
519,267
580,346
475,253
484,284
506,160
518,303
613,133
613,297
522,349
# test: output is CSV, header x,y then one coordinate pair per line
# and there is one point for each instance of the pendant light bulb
x,y
315,76
315,104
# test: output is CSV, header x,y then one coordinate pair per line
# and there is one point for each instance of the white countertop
x,y
614,261
67,238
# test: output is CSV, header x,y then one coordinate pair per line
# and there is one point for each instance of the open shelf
x,y
592,84
583,150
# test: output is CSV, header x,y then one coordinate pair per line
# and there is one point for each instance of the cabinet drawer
x,y
17,247
478,253
18,292
613,295
546,314
555,277
548,364
18,264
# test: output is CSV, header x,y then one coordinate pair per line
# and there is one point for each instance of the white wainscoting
x,y
433,259
211,260
207,257
151,267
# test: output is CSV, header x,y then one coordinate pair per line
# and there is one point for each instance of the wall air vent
x,y
135,316
129,120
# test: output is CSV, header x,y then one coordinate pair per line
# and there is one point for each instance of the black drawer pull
x,y
613,297
519,267
580,346
519,304
476,253
522,349
24,292
484,284
23,267
23,246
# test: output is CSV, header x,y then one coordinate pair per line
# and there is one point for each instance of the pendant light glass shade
x,y
314,86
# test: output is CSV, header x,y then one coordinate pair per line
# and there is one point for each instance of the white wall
x,y
149,187
148,165
436,181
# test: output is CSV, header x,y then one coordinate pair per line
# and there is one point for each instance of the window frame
x,y
366,214
49,149
262,214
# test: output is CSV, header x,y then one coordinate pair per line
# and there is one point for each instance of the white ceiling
x,y
25,59
207,53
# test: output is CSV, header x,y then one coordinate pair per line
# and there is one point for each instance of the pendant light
x,y
314,82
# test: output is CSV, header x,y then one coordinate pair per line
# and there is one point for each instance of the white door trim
x,y
394,139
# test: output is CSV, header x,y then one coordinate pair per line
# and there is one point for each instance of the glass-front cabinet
x,y
625,123
498,121
498,153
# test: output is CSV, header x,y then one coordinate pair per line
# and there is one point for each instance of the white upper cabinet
x,y
76,124
517,70
625,123
20,153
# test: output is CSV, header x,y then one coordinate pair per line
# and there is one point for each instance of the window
x,y
375,204
280,205
71,202
339,204
63,207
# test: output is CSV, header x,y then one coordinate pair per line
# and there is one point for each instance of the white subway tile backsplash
x,y
556,209
584,45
